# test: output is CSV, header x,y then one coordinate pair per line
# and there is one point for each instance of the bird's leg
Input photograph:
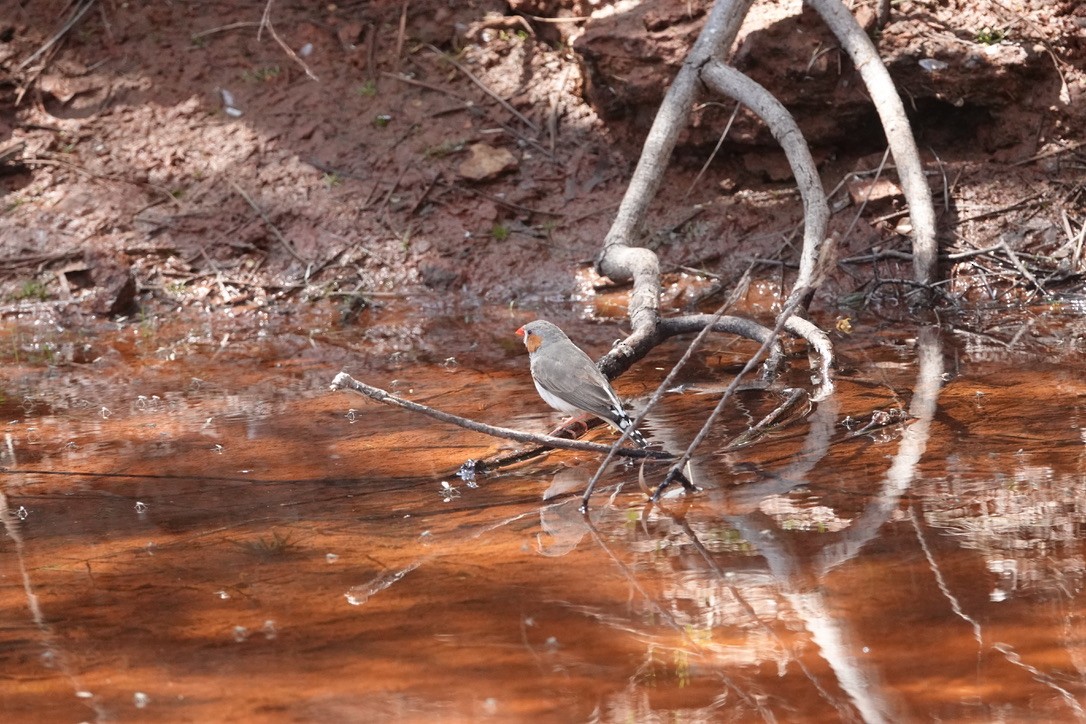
x,y
673,475
568,429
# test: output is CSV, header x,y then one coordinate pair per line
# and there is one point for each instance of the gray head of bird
x,y
539,333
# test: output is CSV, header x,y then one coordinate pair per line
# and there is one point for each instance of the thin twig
x,y
401,33
265,22
656,396
716,149
225,28
501,101
1074,146
267,220
75,17
427,86
500,201
344,380
748,437
1022,268
676,468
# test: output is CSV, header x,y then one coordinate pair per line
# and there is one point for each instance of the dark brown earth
x,y
169,154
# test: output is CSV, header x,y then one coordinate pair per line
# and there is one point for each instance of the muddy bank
x,y
167,155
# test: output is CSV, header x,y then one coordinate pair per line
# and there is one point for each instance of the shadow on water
x,y
197,529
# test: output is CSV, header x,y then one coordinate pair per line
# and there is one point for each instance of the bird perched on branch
x,y
568,380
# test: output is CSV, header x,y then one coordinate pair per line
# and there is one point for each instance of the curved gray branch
x,y
898,132
618,259
642,340
816,212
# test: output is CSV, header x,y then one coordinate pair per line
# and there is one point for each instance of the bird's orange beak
x,y
520,332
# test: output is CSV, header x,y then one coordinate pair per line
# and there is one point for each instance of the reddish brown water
x,y
197,529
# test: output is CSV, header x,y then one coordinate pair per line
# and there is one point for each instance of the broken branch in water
x,y
345,381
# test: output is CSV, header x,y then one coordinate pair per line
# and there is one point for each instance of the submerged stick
x,y
345,381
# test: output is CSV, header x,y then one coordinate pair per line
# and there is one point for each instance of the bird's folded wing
x,y
581,385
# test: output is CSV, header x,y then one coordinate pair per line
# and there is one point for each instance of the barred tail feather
x,y
623,422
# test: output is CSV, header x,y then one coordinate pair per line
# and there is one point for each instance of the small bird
x,y
568,380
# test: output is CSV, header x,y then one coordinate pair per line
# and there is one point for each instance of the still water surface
x,y
196,528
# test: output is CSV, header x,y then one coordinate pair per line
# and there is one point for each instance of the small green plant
x,y
14,204
32,289
367,89
500,232
148,326
263,74
547,228
331,179
445,148
990,36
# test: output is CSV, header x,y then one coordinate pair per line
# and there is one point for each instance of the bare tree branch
x,y
622,262
816,212
642,341
898,132
345,381
618,260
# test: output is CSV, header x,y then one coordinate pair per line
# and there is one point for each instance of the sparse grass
x,y
262,74
367,89
500,232
990,36
445,148
31,289
14,204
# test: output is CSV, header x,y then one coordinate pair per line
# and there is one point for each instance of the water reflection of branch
x,y
1041,677
661,611
955,605
52,652
809,605
827,631
344,380
899,477
695,540
361,594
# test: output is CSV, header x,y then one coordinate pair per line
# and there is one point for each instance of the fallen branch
x,y
643,340
345,381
